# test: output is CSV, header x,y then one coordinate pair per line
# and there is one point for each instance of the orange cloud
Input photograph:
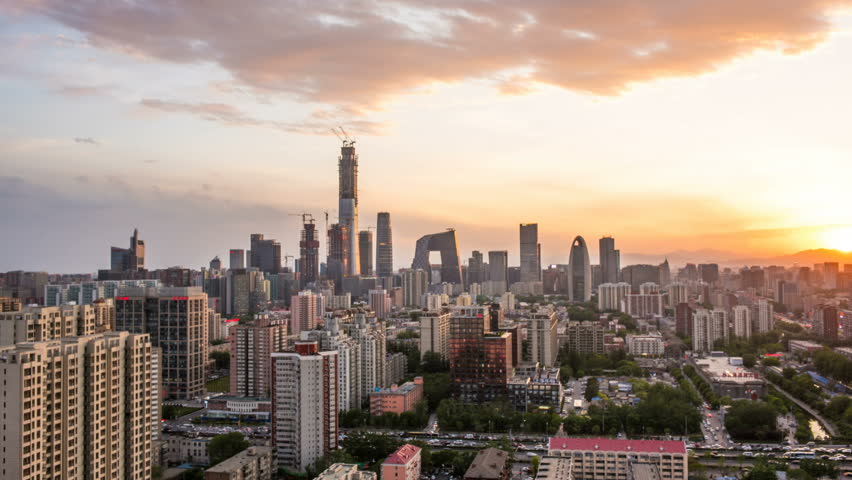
x,y
360,53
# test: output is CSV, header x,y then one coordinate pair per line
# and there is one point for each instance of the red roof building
x,y
612,459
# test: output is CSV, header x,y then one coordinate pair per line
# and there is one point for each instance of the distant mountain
x,y
681,257
805,258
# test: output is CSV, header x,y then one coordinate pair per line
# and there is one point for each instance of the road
x,y
829,427
577,387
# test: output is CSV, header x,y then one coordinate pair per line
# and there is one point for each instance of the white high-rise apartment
x,y
678,293
77,408
649,288
36,324
331,338
371,337
414,285
304,311
708,327
742,321
541,331
435,333
610,295
380,302
304,405
765,315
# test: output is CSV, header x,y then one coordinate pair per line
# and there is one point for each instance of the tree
x,y
749,360
771,362
223,447
536,461
819,468
433,362
591,389
752,421
407,334
368,447
194,474
222,359
436,387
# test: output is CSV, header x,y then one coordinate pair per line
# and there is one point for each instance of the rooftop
x,y
237,461
339,471
721,369
402,455
488,464
617,445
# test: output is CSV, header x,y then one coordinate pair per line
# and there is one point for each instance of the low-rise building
x,y
728,377
489,464
397,399
253,463
535,386
650,345
613,459
346,471
803,346
555,468
240,408
403,464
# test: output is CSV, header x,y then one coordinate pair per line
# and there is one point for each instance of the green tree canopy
x,y
223,447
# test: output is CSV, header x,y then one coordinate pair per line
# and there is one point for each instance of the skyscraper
x,y
309,253
129,259
384,245
448,245
348,203
265,254
476,268
365,246
610,260
581,271
530,253
176,320
338,254
215,264
498,264
304,405
237,258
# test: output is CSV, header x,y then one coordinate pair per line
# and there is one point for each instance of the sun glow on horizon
x,y
839,238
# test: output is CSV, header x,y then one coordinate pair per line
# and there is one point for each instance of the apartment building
x,y
403,464
78,407
252,345
304,405
37,324
253,463
435,332
397,398
612,459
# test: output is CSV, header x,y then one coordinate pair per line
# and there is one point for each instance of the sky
x,y
718,128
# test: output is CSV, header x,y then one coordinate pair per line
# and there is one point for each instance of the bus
x,y
799,454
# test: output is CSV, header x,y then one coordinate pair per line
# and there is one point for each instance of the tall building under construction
x,y
348,206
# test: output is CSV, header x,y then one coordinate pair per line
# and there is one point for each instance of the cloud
x,y
83,90
362,53
319,122
89,140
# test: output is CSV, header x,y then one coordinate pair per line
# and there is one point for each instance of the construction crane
x,y
344,137
304,216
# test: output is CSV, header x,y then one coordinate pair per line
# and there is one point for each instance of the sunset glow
x,y
839,239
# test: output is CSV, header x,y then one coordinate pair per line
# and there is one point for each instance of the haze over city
x,y
718,129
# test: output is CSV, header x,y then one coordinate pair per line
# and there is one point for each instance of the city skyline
x,y
157,139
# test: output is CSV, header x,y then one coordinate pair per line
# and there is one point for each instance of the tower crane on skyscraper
x,y
344,137
304,217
